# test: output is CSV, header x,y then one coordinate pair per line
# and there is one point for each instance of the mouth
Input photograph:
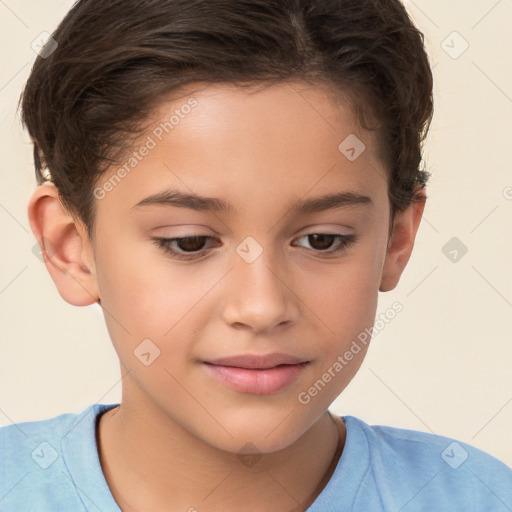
x,y
256,374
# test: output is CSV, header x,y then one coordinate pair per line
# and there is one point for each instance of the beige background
x,y
444,364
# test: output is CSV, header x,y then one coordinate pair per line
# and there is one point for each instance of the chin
x,y
251,443
266,433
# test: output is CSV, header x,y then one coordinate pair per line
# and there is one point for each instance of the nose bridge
x,y
258,296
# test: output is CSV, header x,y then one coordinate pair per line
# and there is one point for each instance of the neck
x,y
151,463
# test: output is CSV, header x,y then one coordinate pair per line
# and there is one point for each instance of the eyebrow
x,y
214,204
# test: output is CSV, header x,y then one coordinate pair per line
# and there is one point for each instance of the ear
x,y
65,247
401,242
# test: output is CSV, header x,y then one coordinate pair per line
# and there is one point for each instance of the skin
x,y
173,442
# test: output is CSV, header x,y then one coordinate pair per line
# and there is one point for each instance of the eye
x,y
193,247
188,247
322,242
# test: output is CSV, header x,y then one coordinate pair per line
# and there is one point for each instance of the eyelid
x,y
345,241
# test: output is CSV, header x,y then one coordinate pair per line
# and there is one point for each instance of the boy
x,y
194,158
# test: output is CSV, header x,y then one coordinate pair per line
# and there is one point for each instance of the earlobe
x,y
65,247
401,242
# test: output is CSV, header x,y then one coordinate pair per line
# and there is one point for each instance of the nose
x,y
258,296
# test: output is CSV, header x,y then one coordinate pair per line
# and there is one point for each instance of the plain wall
x,y
443,364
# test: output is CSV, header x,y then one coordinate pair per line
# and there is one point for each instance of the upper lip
x,y
256,361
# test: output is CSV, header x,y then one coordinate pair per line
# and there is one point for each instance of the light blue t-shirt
x,y
52,465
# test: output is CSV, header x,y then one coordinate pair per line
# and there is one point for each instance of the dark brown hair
x,y
83,105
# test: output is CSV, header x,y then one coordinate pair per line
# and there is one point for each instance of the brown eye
x,y
322,242
191,243
187,247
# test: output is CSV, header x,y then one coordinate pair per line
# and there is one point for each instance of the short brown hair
x,y
84,103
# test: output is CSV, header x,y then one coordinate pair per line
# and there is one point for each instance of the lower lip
x,y
256,382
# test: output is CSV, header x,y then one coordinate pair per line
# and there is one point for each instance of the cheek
x,y
138,300
346,304
146,296
346,298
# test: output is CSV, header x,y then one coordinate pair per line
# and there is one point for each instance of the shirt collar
x,y
80,454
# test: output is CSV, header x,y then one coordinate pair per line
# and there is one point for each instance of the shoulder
x,y
434,469
32,466
29,445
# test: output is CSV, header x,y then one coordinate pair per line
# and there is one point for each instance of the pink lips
x,y
256,374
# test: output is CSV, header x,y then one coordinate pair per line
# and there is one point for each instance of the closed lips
x,y
258,362
256,375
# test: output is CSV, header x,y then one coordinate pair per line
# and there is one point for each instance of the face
x,y
253,226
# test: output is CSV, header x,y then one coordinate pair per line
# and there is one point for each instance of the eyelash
x,y
346,241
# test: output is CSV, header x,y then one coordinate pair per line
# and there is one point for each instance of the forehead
x,y
288,106
278,141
